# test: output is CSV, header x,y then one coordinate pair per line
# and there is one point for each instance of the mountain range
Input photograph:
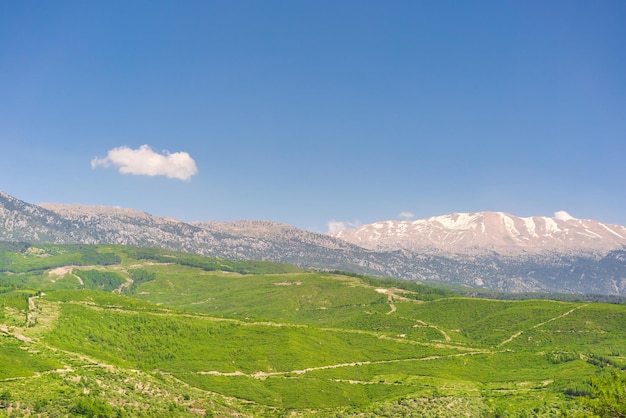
x,y
490,250
483,232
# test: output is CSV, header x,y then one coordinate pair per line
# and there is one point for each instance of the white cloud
x,y
144,161
337,226
563,216
406,215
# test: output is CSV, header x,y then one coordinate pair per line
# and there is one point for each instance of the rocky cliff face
x,y
487,266
20,221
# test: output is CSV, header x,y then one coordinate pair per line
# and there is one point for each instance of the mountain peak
x,y
477,232
79,209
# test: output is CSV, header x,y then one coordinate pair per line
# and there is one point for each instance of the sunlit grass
x,y
191,334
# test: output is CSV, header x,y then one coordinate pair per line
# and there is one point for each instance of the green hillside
x,y
123,331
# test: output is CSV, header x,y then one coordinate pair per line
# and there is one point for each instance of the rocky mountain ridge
x,y
574,272
252,240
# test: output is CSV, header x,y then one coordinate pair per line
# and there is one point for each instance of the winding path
x,y
263,375
391,304
517,334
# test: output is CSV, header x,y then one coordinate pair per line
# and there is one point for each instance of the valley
x,y
190,335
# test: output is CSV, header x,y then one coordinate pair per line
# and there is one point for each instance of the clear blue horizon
x,y
313,112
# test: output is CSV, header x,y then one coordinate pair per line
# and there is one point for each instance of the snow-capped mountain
x,y
481,232
490,250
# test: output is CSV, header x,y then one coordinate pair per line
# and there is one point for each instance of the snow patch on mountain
x,y
483,232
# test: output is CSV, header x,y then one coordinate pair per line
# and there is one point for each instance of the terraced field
x,y
121,331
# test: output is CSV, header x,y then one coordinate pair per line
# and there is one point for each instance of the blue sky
x,y
306,112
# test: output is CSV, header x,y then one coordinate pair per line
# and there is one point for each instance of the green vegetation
x,y
121,331
25,258
207,263
103,280
607,394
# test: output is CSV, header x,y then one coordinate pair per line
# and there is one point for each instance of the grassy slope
x,y
194,335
